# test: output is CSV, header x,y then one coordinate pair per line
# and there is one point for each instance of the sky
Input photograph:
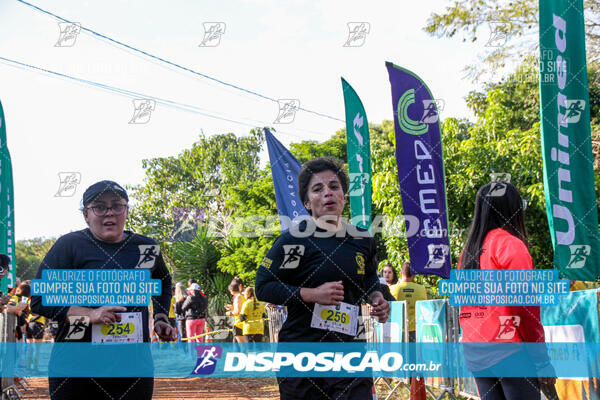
x,y
57,127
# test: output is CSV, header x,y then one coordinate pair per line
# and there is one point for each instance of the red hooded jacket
x,y
502,324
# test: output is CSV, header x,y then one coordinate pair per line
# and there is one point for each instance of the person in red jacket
x,y
498,240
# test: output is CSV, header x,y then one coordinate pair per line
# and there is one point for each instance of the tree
x,y
30,254
513,26
197,177
255,226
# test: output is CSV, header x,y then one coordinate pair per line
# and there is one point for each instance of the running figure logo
x,y
77,326
437,255
579,254
287,111
207,359
68,183
148,254
212,34
357,33
508,327
497,189
291,256
430,111
500,177
68,34
573,112
142,111
358,181
498,37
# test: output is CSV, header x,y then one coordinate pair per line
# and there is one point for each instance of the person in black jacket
x,y
105,244
323,270
194,308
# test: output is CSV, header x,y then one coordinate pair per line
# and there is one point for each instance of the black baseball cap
x,y
101,187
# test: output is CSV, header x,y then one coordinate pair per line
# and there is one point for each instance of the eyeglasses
x,y
101,210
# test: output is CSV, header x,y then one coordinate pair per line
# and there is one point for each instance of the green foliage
x,y
255,226
309,149
196,177
516,20
198,259
29,254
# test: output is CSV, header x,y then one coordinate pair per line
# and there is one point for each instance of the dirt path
x,y
206,389
190,388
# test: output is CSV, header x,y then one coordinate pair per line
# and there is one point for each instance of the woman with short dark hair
x,y
330,269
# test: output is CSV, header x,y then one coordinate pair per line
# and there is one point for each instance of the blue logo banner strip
x,y
289,359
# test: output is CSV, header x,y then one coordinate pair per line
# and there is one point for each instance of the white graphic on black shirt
x,y
291,256
77,327
148,254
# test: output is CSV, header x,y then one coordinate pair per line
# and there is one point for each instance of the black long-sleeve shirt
x,y
293,263
80,250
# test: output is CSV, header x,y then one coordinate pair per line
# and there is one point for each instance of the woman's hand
x,y
380,307
163,329
328,294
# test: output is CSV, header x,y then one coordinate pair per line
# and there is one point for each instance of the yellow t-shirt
x,y
236,317
34,317
254,323
172,308
409,292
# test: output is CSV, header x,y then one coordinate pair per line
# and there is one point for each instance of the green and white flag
x,y
359,158
7,220
566,140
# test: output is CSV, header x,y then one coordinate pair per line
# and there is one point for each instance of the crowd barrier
x,y
8,323
276,316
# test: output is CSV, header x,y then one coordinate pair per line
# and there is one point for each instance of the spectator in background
x,y
251,315
235,288
4,265
172,310
498,240
191,281
19,306
194,308
389,274
180,296
409,291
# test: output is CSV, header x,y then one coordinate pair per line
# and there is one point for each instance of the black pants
x,y
325,388
101,388
515,388
257,338
508,388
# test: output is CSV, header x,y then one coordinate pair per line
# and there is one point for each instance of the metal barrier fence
x,y
276,318
8,323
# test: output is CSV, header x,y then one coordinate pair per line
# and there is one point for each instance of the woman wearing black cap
x,y
105,245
